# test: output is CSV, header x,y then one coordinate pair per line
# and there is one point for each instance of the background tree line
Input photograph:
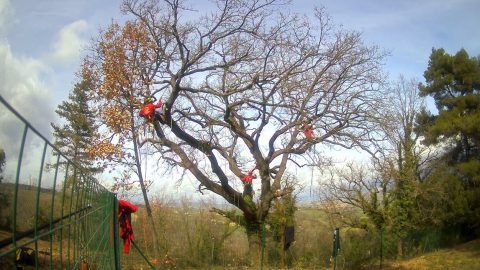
x,y
424,188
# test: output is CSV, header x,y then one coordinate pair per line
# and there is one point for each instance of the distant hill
x,y
11,186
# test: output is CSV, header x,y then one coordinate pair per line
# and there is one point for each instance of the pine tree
x,y
454,83
74,137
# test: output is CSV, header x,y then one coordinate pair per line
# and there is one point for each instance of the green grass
x,y
462,257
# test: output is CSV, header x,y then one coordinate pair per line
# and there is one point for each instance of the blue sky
x,y
41,41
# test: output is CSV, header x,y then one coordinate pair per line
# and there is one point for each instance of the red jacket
x,y
308,131
248,178
124,217
148,110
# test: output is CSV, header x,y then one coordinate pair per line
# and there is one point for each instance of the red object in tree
x,y
308,131
148,110
125,209
249,177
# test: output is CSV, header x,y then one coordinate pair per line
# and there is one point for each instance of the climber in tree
x,y
308,130
148,109
247,182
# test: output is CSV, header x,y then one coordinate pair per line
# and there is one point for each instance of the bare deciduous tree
x,y
361,187
387,191
239,85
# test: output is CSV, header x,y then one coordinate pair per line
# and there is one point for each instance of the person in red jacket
x,y
148,109
125,210
247,182
308,130
248,178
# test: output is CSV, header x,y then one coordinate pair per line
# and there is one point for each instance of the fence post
x,y
336,247
115,233
381,247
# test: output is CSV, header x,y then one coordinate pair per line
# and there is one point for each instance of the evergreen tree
x,y
454,83
74,137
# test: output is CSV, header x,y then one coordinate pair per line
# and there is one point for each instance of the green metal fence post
x,y
78,190
381,247
262,242
52,208
115,233
63,206
37,208
336,247
69,218
15,192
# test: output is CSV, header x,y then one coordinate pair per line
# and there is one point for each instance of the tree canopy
x,y
454,83
238,85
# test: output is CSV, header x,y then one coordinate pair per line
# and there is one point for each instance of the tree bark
x,y
400,248
254,235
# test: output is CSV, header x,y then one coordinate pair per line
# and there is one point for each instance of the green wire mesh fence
x,y
53,215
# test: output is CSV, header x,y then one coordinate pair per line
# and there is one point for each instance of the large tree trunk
x,y
400,248
254,235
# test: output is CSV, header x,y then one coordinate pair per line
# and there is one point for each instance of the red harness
x,y
125,209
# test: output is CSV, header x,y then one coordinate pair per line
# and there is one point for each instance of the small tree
x,y
408,155
239,85
387,190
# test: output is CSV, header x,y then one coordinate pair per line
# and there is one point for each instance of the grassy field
x,y
462,257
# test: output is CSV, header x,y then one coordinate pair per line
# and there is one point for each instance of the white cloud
x,y
5,15
69,43
23,87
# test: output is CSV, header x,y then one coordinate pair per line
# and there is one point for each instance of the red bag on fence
x,y
125,209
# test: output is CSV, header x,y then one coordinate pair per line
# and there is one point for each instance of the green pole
x,y
37,208
336,247
63,206
15,192
115,233
263,245
52,209
381,247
